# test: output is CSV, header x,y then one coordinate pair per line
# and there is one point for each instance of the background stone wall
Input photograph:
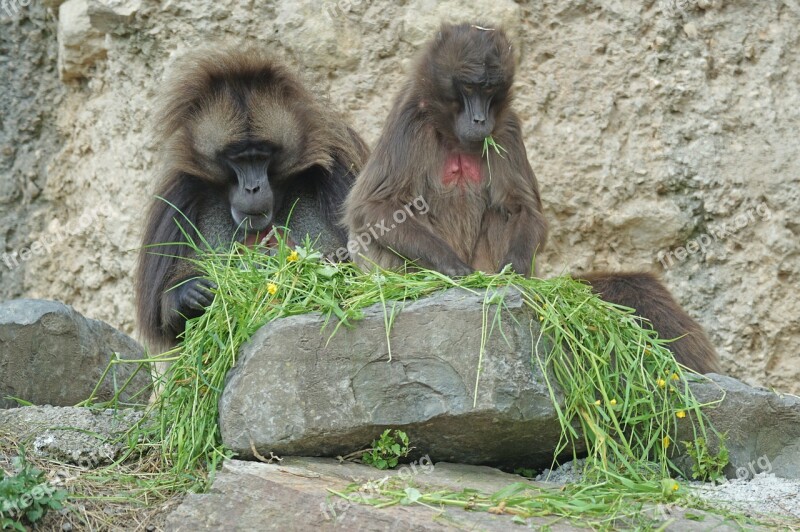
x,y
664,134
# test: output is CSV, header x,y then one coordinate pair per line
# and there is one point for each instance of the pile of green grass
x,y
627,405
624,394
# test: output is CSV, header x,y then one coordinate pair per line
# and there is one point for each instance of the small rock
x,y
80,45
761,428
52,355
108,15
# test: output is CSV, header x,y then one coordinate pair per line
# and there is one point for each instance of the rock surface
x,y
761,428
653,127
293,495
83,33
295,391
50,354
70,435
80,44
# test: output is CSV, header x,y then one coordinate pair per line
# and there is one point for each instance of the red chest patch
x,y
461,169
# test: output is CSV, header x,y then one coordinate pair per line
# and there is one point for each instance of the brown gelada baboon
x,y
476,207
482,207
242,140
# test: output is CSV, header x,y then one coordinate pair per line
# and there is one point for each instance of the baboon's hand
x,y
454,268
194,296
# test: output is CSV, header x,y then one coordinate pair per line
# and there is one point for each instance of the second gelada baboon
x,y
453,143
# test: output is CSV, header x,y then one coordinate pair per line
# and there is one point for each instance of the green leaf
x,y
328,271
412,495
34,514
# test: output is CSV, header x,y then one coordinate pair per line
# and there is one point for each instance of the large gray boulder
x,y
297,391
50,354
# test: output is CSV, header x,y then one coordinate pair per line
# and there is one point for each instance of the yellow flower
x,y
681,414
666,441
541,318
598,402
661,383
272,288
676,487
675,376
613,402
293,256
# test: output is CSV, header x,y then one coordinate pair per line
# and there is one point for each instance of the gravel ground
x,y
567,473
765,495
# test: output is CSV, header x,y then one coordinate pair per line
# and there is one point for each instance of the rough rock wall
x,y
29,96
663,133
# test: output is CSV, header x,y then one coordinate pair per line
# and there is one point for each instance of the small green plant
x,y
707,466
525,472
387,450
26,497
489,143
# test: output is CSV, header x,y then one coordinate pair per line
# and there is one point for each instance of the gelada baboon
x,y
481,208
242,140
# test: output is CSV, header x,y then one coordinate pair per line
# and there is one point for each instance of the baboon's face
x,y
250,193
249,145
475,118
473,71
